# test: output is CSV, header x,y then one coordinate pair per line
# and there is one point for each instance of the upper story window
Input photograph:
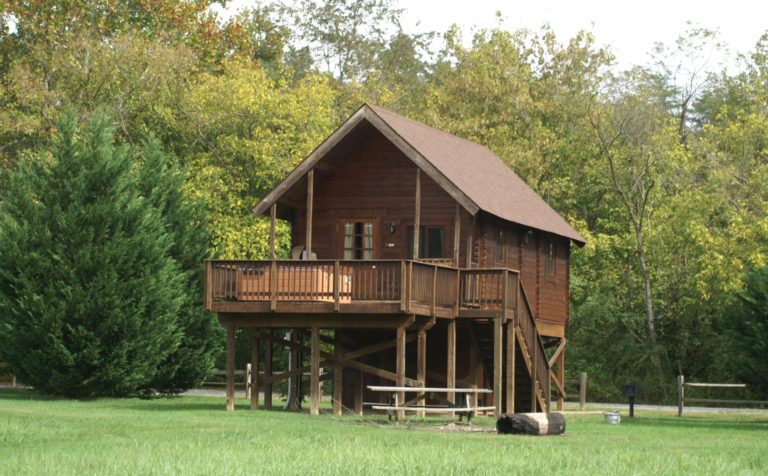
x,y
358,240
431,242
500,246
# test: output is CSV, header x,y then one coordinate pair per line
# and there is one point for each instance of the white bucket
x,y
614,418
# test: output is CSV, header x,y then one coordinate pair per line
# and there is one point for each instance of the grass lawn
x,y
194,435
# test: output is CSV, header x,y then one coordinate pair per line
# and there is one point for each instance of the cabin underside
x,y
388,322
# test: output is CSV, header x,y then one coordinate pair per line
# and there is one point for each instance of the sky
x,y
630,28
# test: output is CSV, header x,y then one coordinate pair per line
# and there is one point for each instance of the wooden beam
x,y
456,235
337,376
511,351
421,361
497,366
254,369
470,238
314,373
310,200
293,394
561,379
557,352
230,368
417,215
273,218
268,370
450,364
359,392
320,320
400,367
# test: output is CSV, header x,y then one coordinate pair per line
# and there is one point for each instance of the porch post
x,y
273,217
268,370
450,365
400,368
470,233
310,199
314,373
421,362
254,390
456,235
561,378
417,216
497,366
230,367
511,350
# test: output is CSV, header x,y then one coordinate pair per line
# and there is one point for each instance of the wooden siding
x,y
525,250
376,182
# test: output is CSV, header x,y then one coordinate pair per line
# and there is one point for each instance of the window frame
x,y
343,235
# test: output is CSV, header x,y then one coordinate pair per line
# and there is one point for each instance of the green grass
x,y
194,435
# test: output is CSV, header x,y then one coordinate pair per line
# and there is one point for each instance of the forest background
x,y
662,167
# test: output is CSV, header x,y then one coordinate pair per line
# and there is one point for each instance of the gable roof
x,y
470,173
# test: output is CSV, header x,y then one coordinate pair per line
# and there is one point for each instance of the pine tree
x,y
89,294
186,223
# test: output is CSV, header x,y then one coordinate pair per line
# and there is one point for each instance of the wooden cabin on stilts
x,y
433,263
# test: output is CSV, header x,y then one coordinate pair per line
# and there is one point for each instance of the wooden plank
x,y
417,216
336,285
510,364
273,287
432,409
230,368
717,400
717,385
497,366
557,353
392,388
314,373
303,321
434,291
359,393
273,218
456,235
267,370
400,365
560,378
421,358
254,391
450,364
310,200
208,296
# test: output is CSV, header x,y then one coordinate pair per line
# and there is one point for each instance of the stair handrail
x,y
540,362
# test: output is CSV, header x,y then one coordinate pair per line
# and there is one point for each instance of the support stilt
x,y
268,371
510,363
230,368
254,369
421,363
314,379
338,368
497,366
450,368
400,351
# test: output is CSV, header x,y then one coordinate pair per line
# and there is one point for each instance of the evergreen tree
x,y
89,294
746,326
187,225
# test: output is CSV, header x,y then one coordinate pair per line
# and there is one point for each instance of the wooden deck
x,y
378,294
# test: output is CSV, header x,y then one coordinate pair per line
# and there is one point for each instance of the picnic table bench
x,y
462,405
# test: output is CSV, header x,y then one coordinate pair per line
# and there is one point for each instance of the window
x,y
358,240
431,242
550,256
500,246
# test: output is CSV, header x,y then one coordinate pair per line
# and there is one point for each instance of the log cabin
x,y
429,260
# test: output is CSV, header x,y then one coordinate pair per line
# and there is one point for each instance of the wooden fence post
x,y
248,382
680,394
583,391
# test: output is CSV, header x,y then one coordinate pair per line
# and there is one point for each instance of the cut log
x,y
531,423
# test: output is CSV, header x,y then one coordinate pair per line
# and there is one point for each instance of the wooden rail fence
x,y
682,399
582,383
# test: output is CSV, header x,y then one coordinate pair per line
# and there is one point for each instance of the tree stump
x,y
531,423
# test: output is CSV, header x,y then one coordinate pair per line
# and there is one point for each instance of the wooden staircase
x,y
531,385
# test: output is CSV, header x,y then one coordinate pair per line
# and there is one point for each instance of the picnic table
x,y
462,404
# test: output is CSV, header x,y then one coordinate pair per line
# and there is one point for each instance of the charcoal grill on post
x,y
631,390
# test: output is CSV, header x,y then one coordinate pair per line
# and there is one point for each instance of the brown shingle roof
x,y
469,172
481,175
